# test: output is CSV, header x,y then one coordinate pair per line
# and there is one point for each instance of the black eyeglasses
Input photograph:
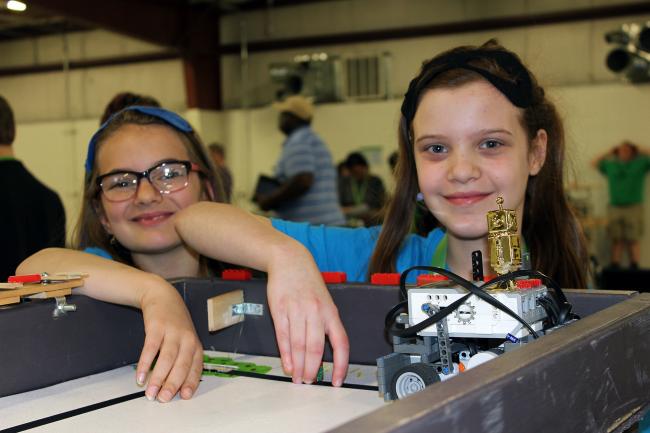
x,y
167,177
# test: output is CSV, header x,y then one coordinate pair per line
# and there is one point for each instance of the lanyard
x,y
358,190
439,259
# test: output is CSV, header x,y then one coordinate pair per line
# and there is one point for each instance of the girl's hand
x,y
170,334
303,313
302,309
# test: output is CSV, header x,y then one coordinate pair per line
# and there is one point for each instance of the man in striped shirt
x,y
308,190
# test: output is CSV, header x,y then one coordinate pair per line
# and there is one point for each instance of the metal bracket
x,y
62,307
248,309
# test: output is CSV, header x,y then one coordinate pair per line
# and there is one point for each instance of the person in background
x,y
305,170
342,170
362,195
218,154
625,167
126,99
32,216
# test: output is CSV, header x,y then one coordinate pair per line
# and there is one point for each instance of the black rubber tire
x,y
411,379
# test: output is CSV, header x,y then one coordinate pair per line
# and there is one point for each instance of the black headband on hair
x,y
519,91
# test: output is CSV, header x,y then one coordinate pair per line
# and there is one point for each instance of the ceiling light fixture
x,y
631,55
15,5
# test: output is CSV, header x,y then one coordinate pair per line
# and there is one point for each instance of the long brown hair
x,y
550,229
89,231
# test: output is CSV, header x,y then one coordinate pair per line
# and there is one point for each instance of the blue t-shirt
x,y
341,249
304,152
98,252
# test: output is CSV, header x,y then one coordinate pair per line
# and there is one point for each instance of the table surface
x,y
229,404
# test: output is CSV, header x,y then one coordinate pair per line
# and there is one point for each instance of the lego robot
x,y
448,330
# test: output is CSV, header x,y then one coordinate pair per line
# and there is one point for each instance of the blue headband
x,y
169,117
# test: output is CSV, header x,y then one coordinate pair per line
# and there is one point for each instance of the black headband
x,y
519,91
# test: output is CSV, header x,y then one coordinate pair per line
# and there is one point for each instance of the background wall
x,y
57,112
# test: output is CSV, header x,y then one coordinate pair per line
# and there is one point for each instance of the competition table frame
x,y
591,376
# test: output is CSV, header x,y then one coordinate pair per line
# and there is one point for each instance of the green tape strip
x,y
240,366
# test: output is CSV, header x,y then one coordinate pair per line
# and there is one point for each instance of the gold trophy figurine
x,y
503,241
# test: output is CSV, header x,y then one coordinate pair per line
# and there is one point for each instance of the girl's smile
x,y
152,218
465,198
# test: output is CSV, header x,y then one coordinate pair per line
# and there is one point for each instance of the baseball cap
x,y
297,105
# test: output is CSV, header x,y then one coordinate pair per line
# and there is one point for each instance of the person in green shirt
x,y
625,167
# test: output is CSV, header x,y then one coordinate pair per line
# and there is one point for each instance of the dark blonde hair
x,y
126,99
89,231
550,229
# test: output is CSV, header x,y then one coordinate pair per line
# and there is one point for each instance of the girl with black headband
x,y
475,125
145,167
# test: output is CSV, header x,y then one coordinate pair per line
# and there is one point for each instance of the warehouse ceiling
x,y
31,23
40,20
190,30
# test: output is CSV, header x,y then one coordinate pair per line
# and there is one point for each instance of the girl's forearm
x,y
107,280
224,232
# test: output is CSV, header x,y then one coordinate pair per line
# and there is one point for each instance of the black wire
x,y
477,291
550,308
392,314
529,273
469,286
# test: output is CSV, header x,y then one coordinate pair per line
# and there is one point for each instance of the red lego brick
x,y
236,275
529,283
334,277
430,278
489,278
31,278
385,279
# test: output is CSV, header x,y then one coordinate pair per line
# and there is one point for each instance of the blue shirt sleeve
x,y
335,249
98,252
418,251
341,249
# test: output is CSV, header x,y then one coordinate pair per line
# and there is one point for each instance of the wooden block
x,y
51,294
10,286
30,289
7,301
220,310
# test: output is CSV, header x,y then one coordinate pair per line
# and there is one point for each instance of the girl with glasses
x,y
145,167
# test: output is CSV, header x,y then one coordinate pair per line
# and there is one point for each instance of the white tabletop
x,y
236,404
